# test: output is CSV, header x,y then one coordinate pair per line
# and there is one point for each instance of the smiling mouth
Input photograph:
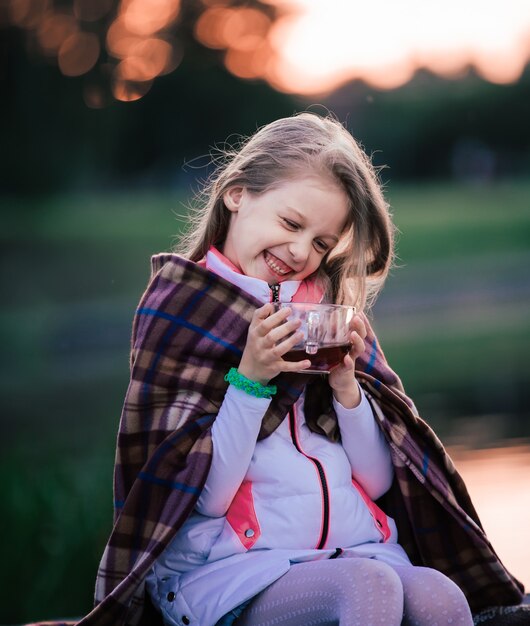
x,y
277,266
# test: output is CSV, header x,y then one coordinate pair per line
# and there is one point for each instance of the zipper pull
x,y
275,289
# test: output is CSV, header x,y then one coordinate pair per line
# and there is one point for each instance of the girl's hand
x,y
342,377
267,341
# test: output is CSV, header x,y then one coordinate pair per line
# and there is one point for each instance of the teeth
x,y
275,267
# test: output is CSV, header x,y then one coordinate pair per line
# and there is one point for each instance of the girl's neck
x,y
223,259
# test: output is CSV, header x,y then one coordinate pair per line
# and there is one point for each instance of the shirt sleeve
x,y
234,435
366,447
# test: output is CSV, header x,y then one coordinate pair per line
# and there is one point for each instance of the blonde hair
x,y
355,270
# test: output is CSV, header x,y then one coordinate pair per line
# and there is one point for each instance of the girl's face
x,y
284,233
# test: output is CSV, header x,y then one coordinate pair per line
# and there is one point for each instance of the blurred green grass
x,y
453,320
440,221
458,325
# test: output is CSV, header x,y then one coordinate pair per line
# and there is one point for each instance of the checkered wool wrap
x,y
189,329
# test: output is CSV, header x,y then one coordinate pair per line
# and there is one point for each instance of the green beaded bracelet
x,y
249,386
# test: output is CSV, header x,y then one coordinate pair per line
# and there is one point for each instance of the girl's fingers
x,y
272,320
358,346
348,363
295,366
282,347
357,325
262,313
284,330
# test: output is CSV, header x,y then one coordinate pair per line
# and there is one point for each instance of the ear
x,y
233,198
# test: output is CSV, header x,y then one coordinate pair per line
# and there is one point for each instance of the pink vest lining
x,y
242,516
379,516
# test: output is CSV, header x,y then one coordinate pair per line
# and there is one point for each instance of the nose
x,y
299,250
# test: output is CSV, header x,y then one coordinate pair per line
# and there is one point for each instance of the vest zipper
x,y
323,482
275,293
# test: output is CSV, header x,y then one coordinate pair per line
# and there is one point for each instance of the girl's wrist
x,y
245,368
251,375
348,398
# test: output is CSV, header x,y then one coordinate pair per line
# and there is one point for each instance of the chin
x,y
277,280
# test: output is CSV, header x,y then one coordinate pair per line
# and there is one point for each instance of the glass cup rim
x,y
328,305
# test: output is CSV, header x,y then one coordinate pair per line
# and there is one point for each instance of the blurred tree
x,y
120,47
432,127
107,128
64,133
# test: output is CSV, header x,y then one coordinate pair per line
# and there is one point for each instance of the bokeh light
x,y
137,35
146,60
129,91
27,13
78,54
306,47
94,96
240,28
146,17
140,40
243,33
53,30
119,40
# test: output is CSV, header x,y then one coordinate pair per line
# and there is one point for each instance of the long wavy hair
x,y
306,143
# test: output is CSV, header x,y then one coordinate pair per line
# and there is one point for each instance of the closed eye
x,y
322,246
290,224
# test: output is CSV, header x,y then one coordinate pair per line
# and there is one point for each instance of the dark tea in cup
x,y
326,329
324,359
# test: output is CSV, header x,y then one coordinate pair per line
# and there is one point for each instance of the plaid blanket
x,y
189,329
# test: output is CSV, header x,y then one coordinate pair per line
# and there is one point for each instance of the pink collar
x,y
225,260
307,290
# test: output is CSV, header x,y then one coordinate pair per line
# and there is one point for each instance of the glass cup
x,y
326,329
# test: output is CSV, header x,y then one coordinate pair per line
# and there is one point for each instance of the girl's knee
x,y
428,592
378,576
453,604
442,585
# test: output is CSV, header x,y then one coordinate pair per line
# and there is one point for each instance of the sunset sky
x,y
327,43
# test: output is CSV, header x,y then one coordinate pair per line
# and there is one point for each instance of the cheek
x,y
314,263
317,259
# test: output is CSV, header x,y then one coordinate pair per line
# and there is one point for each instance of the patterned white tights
x,y
358,592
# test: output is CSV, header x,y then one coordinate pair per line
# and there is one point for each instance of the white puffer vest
x,y
293,499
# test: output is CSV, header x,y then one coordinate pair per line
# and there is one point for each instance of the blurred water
x,y
498,480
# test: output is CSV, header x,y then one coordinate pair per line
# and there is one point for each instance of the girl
x,y
245,490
